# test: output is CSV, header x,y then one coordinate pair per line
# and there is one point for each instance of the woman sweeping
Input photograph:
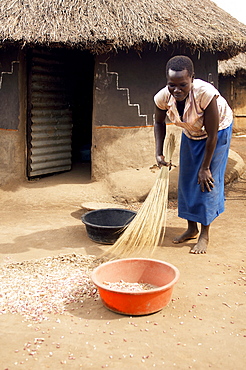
x,y
206,120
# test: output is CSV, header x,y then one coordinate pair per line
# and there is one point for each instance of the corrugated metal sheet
x,y
50,119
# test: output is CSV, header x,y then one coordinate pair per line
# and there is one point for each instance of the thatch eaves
x,y
101,25
231,66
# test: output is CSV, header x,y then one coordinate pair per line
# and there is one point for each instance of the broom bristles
x,y
147,228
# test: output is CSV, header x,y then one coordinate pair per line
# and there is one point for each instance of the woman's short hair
x,y
179,63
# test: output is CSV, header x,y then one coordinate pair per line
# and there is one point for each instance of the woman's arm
x,y
211,124
160,134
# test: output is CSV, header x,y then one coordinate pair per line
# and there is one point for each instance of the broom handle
x,y
170,146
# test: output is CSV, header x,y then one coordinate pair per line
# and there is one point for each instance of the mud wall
x,y
118,149
12,116
233,88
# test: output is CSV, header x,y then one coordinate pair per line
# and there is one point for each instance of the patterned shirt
x,y
197,101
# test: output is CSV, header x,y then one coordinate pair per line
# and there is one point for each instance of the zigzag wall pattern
x,y
8,73
126,89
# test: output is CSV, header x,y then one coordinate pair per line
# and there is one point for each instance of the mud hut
x,y
232,85
78,77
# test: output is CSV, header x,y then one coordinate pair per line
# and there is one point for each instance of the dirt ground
x,y
202,327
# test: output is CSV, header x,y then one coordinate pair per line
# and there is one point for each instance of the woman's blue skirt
x,y
193,204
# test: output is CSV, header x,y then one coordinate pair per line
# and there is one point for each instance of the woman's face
x,y
179,84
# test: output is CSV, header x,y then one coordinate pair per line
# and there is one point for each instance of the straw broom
x,y
147,228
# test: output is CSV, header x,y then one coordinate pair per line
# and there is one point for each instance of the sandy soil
x,y
202,327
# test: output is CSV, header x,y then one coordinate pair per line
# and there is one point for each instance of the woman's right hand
x,y
160,159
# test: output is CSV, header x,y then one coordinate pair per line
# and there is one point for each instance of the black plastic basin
x,y
105,225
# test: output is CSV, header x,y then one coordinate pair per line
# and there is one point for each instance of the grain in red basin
x,y
158,273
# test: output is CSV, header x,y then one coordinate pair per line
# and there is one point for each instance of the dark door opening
x,y
80,76
60,102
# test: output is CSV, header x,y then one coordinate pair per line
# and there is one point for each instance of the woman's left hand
x,y
205,180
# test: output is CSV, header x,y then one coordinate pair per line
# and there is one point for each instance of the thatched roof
x,y
233,65
101,25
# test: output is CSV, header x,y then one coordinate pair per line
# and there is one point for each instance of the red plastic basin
x,y
161,274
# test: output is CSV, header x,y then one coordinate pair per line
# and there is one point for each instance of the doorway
x,y
59,114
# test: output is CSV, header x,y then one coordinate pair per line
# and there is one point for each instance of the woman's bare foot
x,y
185,236
202,244
190,233
200,247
